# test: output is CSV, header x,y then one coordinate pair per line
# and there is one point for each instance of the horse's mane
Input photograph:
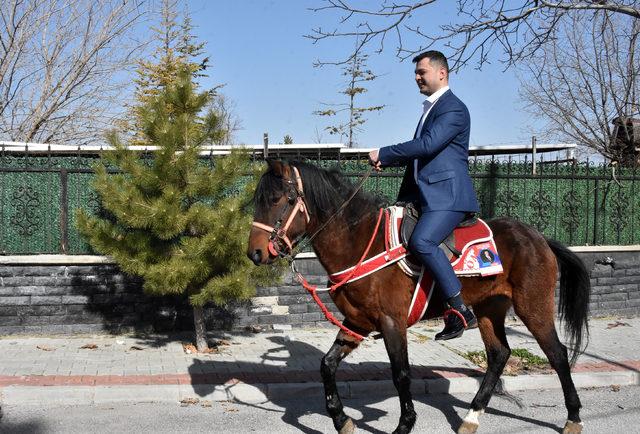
x,y
325,191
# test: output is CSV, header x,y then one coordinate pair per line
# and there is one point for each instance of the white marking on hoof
x,y
572,427
471,422
348,428
473,416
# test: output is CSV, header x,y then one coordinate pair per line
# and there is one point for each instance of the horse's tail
x,y
575,290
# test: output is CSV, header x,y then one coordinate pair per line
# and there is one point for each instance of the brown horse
x,y
380,302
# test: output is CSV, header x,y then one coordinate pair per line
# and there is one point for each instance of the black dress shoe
x,y
455,322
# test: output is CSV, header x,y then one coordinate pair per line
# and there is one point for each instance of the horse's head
x,y
280,215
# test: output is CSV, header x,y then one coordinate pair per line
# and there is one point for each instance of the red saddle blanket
x,y
479,258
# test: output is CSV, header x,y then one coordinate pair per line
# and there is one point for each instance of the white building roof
x,y
277,149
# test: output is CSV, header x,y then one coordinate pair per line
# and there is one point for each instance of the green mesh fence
x,y
577,204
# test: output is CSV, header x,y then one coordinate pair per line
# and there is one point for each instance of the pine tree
x,y
175,222
176,50
357,74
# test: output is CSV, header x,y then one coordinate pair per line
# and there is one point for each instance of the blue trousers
x,y
432,228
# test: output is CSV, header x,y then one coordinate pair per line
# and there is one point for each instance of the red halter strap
x,y
279,234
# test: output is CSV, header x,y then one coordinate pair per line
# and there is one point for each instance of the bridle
x,y
279,242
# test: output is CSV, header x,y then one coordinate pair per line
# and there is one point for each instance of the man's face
x,y
430,77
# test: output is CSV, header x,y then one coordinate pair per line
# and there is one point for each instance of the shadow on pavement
x,y
512,331
30,427
284,367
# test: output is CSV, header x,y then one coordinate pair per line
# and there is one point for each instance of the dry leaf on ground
x,y
189,401
189,348
89,347
225,407
45,348
192,349
206,404
136,348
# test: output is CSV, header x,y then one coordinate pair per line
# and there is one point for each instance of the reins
x,y
308,240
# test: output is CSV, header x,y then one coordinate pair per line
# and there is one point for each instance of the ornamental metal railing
x,y
577,203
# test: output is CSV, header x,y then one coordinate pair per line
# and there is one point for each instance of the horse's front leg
x,y
395,340
341,347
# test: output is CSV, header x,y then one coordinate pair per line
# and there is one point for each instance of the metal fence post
x,y
533,154
265,142
595,213
64,212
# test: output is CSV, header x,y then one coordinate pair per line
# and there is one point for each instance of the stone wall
x,y
37,298
615,282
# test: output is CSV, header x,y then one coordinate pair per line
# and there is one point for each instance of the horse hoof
x,y
348,428
572,427
468,427
470,423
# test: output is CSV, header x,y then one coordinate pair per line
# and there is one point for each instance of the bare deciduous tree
x,y
516,27
357,75
317,136
230,123
63,67
586,76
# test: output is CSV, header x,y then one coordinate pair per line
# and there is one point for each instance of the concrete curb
x,y
259,393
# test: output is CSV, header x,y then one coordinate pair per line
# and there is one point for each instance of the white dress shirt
x,y
427,105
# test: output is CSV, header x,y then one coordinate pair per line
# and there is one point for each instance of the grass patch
x,y
529,358
521,360
476,357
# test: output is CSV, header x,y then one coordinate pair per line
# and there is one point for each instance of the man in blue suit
x,y
437,176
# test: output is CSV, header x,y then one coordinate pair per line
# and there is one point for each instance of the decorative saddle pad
x,y
479,257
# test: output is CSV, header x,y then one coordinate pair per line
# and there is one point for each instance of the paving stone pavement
x,y
280,362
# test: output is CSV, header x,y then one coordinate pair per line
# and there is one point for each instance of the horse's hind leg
x,y
339,350
395,341
491,314
540,324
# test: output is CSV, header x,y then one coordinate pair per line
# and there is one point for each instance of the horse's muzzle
x,y
255,256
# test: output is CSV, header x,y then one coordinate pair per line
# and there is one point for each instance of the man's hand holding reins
x,y
373,160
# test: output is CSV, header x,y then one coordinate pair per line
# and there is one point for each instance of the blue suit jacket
x,y
442,150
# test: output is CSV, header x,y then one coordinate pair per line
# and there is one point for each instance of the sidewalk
x,y
280,365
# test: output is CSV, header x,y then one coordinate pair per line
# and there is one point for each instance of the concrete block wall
x,y
36,298
615,286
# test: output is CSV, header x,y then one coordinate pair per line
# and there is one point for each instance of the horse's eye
x,y
275,199
291,200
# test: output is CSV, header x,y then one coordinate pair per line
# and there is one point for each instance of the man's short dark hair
x,y
434,57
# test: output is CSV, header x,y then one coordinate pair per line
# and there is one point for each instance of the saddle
x,y
410,220
470,247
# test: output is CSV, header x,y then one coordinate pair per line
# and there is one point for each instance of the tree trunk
x,y
201,330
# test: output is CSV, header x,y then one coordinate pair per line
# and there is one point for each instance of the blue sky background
x,y
258,49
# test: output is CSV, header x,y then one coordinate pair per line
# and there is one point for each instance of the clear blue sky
x,y
258,49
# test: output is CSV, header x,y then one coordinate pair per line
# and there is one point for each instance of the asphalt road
x,y
605,410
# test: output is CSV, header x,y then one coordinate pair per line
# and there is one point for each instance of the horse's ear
x,y
280,168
